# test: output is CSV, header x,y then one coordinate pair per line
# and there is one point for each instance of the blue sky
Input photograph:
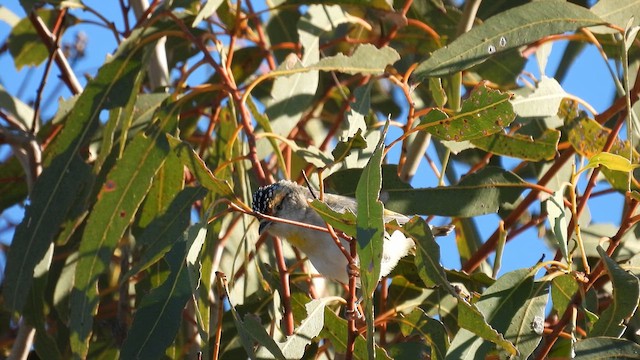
x,y
588,79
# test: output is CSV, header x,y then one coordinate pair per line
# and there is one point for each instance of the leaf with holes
x,y
507,30
485,112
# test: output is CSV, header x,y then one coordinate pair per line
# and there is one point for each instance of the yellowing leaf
x,y
611,162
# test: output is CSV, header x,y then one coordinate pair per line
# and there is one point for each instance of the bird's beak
x,y
264,224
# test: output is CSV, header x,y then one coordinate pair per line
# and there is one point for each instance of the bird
x,y
288,200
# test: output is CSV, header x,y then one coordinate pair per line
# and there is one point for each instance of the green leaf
x,y
335,329
342,181
616,12
344,148
543,101
370,233
65,174
168,182
200,170
294,346
36,312
365,60
527,325
166,228
611,162
12,191
433,331
475,328
477,194
521,146
355,120
563,289
507,298
558,220
626,291
207,10
20,111
427,258
158,317
121,195
26,46
588,137
293,88
251,331
485,112
597,348
502,69
507,30
345,222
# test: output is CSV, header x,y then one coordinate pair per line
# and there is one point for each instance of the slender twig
x,y
66,73
57,32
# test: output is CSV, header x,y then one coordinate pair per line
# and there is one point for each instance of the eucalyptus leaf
x,y
509,29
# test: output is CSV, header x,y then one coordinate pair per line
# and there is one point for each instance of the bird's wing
x,y
392,215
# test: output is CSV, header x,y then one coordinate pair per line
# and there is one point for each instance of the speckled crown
x,y
262,198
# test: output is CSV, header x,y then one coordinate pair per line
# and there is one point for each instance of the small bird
x,y
288,200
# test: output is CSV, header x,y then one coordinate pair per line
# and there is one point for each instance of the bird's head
x,y
284,199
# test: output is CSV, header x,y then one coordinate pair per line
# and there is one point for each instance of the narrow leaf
x,y
626,291
527,325
158,317
477,194
56,189
427,258
294,346
370,233
169,226
207,10
366,60
558,221
120,197
200,170
499,304
345,222
509,29
597,348
611,162
335,329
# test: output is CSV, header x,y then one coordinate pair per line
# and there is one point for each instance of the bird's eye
x,y
279,207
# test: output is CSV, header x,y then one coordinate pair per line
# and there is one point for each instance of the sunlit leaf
x,y
118,201
370,233
558,220
611,162
543,101
507,30
563,289
65,174
485,112
521,146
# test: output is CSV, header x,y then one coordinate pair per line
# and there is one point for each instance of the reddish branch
x,y
50,41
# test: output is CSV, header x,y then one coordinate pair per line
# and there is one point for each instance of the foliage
x,y
138,240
